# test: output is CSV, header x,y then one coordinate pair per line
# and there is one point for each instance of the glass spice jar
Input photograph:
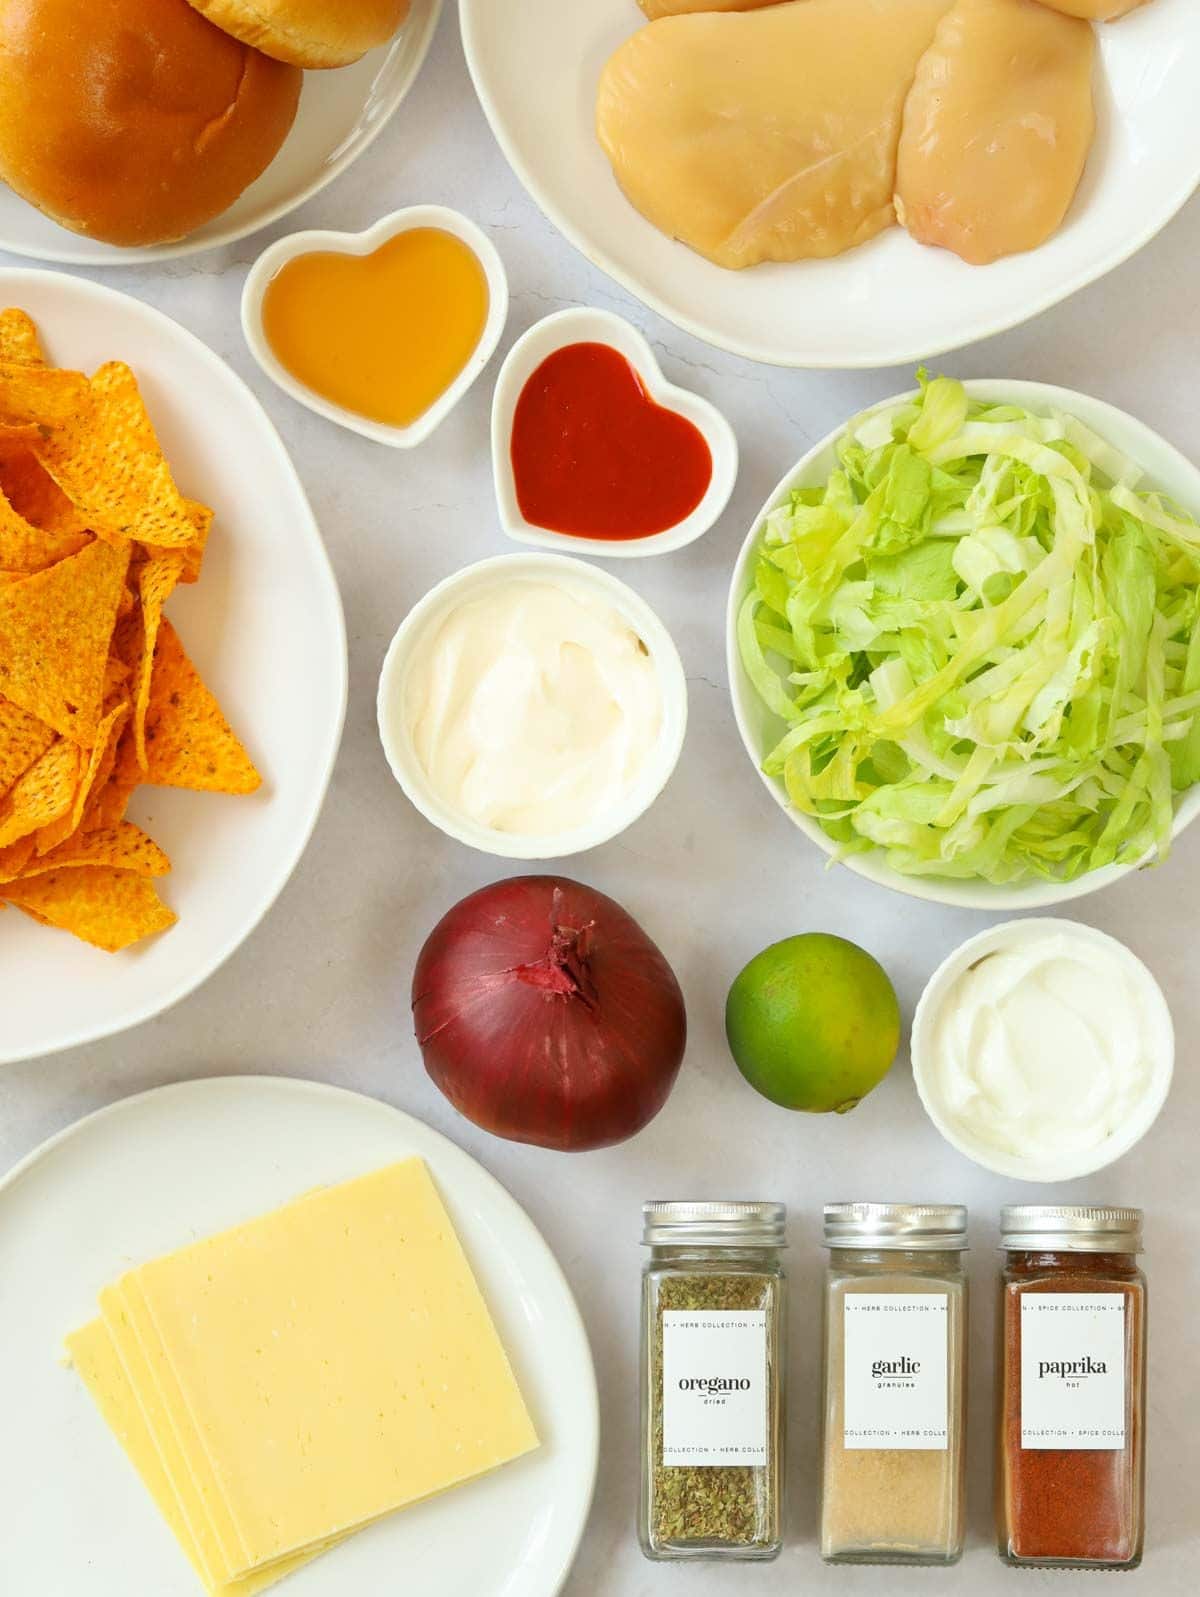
x,y
712,1380
893,1433
1072,1388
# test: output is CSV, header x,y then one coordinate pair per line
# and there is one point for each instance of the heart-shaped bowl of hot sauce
x,y
594,452
383,331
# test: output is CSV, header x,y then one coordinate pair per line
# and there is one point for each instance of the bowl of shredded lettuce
x,y
964,644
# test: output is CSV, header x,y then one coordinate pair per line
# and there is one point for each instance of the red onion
x,y
545,1014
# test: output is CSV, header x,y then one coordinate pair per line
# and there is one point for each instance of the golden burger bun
x,y
308,33
134,121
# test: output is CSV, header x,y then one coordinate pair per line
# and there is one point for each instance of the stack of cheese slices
x,y
281,1385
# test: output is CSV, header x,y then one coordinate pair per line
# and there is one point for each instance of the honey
x,y
383,335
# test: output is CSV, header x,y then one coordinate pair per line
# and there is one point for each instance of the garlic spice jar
x,y
712,1381
1072,1379
893,1454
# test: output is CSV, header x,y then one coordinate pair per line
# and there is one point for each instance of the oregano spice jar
x,y
893,1455
712,1380
1072,1388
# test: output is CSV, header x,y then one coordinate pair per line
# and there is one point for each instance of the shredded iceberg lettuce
x,y
983,642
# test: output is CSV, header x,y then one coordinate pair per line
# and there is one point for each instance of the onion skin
x,y
546,1015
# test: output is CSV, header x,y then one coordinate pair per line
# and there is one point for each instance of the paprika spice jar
x,y
1072,1388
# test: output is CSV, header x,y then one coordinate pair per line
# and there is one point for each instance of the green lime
x,y
813,1023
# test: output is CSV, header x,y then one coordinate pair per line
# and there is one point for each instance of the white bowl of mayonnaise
x,y
532,706
1043,1049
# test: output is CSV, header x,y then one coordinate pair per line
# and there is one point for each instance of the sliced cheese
x,y
95,1359
326,1364
150,1373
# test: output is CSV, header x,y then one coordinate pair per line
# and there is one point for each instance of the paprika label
x,y
1073,1370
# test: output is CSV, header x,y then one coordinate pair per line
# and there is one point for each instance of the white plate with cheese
x,y
155,1173
536,67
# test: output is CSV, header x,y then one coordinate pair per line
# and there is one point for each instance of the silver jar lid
x,y
707,1223
1074,1228
924,1227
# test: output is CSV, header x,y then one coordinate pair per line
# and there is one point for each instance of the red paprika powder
x,y
1072,1382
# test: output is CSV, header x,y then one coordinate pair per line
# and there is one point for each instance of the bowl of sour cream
x,y
532,706
1043,1049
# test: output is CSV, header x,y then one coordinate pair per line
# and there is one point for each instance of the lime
x,y
813,1023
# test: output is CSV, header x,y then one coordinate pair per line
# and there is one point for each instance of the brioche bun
x,y
308,33
134,121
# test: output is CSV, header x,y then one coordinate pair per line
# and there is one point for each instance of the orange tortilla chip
x,y
156,582
23,738
97,694
55,628
114,786
108,462
19,435
14,858
125,846
42,794
189,743
116,675
126,645
49,837
107,907
19,337
25,547
46,396
34,494
193,553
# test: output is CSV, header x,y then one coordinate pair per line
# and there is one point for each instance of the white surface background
x,y
714,871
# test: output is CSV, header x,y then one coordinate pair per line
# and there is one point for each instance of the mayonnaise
x,y
1047,1046
533,708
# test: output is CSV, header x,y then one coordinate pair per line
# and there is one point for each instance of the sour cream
x,y
534,707
1043,1048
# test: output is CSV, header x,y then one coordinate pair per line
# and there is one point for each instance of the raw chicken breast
x,y
1097,10
997,128
674,8
767,135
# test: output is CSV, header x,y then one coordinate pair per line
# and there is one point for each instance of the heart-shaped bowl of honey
x,y
383,331
594,452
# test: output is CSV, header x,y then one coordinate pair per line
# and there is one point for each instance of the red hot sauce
x,y
593,455
1072,1387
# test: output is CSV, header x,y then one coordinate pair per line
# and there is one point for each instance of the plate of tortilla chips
x,y
172,662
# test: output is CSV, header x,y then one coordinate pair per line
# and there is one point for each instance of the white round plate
x,y
264,626
157,1171
890,301
341,114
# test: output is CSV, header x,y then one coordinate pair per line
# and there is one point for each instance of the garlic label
x,y
896,1390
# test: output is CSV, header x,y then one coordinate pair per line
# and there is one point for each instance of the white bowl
x,y
417,628
341,115
890,302
586,325
1165,468
1046,1170
388,227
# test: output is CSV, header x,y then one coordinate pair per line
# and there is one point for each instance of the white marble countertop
x,y
714,871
